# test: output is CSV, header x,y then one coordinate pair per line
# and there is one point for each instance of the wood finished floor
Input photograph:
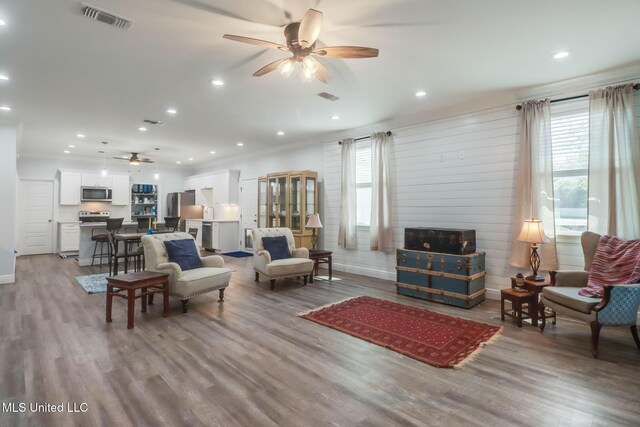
x,y
252,362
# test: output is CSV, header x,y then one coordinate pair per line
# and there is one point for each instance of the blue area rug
x,y
93,283
238,254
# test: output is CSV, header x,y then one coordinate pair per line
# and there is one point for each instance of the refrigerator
x,y
184,206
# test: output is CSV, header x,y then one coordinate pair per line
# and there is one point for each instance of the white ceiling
x,y
73,75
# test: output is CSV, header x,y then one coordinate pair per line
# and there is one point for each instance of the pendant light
x,y
104,160
156,174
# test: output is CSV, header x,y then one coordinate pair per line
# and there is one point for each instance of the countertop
x,y
68,222
104,224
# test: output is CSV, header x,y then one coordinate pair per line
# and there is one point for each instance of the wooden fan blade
x,y
310,27
347,52
121,158
145,160
256,42
269,67
322,73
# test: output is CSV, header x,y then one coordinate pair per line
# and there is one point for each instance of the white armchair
x,y
210,277
298,265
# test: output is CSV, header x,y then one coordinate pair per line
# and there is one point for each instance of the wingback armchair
x,y
618,307
298,265
213,276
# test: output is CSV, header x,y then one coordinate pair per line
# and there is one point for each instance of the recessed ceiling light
x,y
171,111
191,158
2,22
66,151
421,93
560,55
217,82
178,161
212,152
335,117
3,77
280,132
240,144
80,135
142,129
5,108
72,146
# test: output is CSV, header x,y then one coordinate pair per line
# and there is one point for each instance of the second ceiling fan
x,y
301,40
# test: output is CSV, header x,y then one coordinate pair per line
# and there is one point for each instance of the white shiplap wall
x,y
432,186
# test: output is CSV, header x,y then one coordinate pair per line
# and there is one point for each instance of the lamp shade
x,y
532,232
314,221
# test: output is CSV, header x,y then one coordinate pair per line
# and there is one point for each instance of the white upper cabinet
x,y
120,190
222,188
95,180
70,183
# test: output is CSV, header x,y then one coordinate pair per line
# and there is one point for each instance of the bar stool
x,y
171,223
101,239
113,226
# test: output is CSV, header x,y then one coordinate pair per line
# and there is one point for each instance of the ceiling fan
x,y
301,40
134,160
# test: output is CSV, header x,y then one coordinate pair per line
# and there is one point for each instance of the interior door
x,y
36,217
249,217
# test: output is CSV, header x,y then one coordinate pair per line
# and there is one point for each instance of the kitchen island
x,y
87,245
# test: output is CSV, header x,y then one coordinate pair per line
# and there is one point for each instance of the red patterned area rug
x,y
433,338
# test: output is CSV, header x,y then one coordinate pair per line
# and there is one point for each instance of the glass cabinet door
x,y
262,203
282,201
272,203
296,204
310,197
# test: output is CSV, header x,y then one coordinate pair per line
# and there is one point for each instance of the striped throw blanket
x,y
616,262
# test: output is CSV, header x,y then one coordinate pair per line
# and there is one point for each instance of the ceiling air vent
x,y
327,95
154,122
101,15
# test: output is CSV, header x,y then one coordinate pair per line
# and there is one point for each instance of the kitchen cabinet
x,y
195,224
95,180
69,237
220,188
224,236
70,183
286,199
120,190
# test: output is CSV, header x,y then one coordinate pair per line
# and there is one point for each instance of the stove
x,y
94,216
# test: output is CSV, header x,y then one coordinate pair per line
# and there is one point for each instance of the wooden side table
x,y
320,257
536,288
518,299
149,283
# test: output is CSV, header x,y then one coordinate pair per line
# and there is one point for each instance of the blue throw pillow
x,y
184,253
277,247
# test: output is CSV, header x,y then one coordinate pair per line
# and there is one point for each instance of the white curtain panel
x,y
347,233
534,191
381,234
614,163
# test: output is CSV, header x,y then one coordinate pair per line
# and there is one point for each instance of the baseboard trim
x,y
7,278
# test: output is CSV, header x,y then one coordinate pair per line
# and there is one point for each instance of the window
x,y
570,148
363,183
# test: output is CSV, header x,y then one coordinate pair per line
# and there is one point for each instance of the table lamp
x,y
533,233
314,222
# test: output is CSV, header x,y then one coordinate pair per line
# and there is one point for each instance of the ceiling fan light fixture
x,y
308,63
308,75
286,68
134,162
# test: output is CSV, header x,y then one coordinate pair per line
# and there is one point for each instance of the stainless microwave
x,y
95,194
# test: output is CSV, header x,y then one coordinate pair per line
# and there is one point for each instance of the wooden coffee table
x,y
320,257
149,283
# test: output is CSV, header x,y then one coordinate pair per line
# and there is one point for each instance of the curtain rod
x,y
365,137
519,106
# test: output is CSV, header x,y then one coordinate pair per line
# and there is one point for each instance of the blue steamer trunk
x,y
450,279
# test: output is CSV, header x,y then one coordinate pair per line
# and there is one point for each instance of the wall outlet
x,y
462,155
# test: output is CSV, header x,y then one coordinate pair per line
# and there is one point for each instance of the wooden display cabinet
x,y
286,199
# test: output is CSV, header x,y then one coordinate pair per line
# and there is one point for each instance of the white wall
x,y
477,192
171,180
8,203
